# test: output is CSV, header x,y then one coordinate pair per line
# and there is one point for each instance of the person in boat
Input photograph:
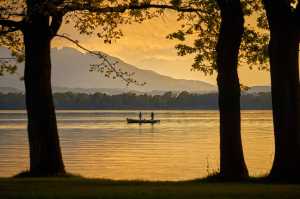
x,y
152,116
140,115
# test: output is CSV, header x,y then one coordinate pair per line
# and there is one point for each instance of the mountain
x,y
10,90
111,91
71,71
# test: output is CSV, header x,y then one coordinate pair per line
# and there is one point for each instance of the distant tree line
x,y
168,100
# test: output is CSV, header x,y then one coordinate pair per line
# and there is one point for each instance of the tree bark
x,y
284,56
45,153
232,163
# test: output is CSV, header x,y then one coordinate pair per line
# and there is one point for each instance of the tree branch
x,y
125,76
9,30
8,26
122,8
10,23
55,24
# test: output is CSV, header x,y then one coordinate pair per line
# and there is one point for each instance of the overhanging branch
x,y
8,30
10,23
122,8
8,26
125,76
55,24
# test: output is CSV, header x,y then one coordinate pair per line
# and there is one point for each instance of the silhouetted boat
x,y
130,121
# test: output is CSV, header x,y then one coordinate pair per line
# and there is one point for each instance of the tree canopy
x,y
101,18
199,33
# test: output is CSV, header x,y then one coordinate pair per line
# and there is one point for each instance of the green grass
x,y
77,188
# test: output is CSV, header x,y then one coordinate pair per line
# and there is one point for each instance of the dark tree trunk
x,y
232,164
45,153
284,54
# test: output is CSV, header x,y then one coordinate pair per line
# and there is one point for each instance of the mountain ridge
x,y
71,70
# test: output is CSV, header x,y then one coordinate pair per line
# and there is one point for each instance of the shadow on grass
x,y
27,174
214,177
27,186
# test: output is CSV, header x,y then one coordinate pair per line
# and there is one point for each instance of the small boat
x,y
131,121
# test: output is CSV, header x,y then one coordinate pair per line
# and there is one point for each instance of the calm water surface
x,y
100,144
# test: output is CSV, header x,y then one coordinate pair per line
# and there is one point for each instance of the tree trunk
x,y
232,164
45,153
284,54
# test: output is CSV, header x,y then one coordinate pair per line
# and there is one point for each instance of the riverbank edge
x,y
78,187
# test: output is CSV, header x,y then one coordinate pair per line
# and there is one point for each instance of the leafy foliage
x,y
106,25
101,18
13,41
199,33
200,23
105,66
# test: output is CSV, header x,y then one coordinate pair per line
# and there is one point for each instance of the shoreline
x,y
82,188
139,108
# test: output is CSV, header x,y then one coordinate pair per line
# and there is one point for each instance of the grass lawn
x,y
75,188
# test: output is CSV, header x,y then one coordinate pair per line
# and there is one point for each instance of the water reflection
x,y
100,144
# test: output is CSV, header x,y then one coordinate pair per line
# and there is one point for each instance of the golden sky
x,y
145,46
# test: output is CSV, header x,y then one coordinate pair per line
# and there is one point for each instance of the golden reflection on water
x,y
99,144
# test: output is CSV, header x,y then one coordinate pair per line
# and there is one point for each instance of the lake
x,y
100,144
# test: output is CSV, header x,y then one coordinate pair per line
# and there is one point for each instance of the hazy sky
x,y
145,46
